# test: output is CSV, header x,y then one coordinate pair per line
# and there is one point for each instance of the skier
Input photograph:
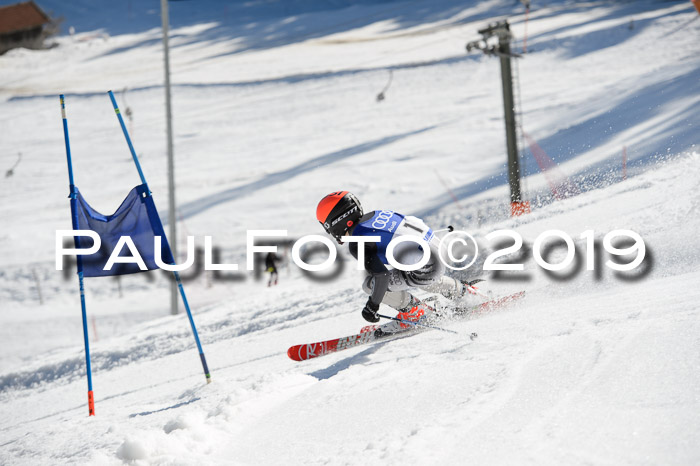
x,y
271,266
341,214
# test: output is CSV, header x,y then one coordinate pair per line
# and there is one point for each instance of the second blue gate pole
x,y
165,242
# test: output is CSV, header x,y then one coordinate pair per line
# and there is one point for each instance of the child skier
x,y
341,214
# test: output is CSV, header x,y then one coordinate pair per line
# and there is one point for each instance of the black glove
x,y
370,312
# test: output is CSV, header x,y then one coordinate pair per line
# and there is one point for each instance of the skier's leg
x,y
397,296
448,287
431,277
408,306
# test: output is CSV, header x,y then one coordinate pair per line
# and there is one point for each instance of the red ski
x,y
389,331
369,334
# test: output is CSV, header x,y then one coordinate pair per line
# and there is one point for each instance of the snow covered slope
x,y
275,106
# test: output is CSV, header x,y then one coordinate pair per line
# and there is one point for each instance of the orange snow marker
x,y
697,4
519,208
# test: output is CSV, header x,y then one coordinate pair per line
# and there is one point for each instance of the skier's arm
x,y
376,268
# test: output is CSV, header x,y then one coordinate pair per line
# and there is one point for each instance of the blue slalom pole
x,y
128,139
165,240
74,219
189,316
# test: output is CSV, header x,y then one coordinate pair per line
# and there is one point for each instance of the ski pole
x,y
449,228
416,323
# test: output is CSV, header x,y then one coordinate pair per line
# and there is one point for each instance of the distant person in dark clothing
x,y
271,266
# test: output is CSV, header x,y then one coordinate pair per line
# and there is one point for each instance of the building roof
x,y
21,16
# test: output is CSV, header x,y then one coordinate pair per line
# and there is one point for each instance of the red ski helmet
x,y
338,212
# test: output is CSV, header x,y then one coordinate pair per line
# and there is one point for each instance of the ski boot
x,y
412,315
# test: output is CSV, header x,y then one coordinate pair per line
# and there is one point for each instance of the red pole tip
x,y
91,403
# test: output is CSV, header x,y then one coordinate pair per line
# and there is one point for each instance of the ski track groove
x,y
166,343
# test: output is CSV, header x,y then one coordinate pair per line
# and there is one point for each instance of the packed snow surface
x,y
275,105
